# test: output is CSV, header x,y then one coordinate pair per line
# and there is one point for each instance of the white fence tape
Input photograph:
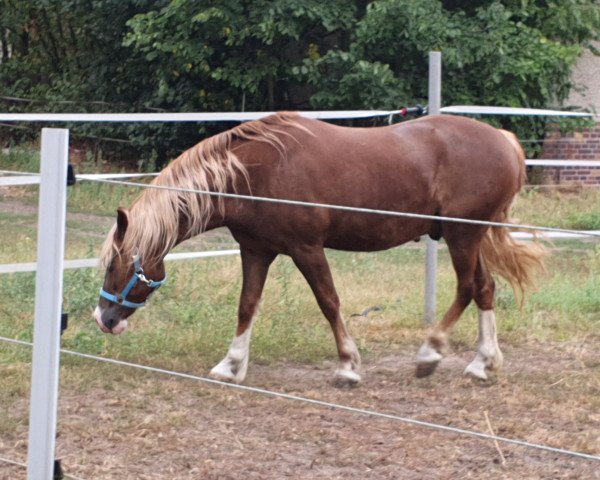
x,y
94,262
34,179
246,116
477,110
541,162
25,178
15,181
185,117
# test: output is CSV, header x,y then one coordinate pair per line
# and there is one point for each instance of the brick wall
x,y
575,146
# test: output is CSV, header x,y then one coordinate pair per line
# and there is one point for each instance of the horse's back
x,y
438,165
435,160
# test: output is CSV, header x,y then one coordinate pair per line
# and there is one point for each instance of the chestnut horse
x,y
438,165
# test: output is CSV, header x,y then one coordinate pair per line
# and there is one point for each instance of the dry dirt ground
x,y
127,424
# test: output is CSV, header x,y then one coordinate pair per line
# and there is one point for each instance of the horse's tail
x,y
518,262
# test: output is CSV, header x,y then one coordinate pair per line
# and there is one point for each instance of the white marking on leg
x,y
488,340
489,356
347,371
428,354
234,366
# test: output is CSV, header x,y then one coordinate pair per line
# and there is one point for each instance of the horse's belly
x,y
376,235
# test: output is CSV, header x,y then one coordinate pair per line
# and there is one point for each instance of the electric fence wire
x,y
352,209
321,403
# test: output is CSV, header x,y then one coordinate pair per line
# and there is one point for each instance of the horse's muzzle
x,y
109,322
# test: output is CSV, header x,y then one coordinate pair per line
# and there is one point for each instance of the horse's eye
x,y
110,268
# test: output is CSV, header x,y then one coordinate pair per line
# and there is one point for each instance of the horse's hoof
x,y
216,375
477,370
345,378
224,375
428,354
424,369
427,360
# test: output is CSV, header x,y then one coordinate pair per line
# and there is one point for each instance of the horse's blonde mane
x,y
154,218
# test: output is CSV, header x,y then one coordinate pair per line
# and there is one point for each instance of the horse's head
x,y
128,281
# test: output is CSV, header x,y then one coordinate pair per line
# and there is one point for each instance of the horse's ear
x,y
122,223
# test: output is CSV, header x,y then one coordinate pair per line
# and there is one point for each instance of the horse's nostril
x,y
110,323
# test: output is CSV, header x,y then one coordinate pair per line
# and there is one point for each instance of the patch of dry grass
x,y
577,208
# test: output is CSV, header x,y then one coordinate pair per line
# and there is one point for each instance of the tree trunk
x,y
4,54
271,92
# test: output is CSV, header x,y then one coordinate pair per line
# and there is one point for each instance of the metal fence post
x,y
435,100
48,302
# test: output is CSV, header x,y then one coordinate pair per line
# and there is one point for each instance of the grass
x,y
195,333
20,159
579,210
99,198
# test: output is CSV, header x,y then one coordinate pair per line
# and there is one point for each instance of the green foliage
x,y
234,54
101,199
585,221
495,53
227,55
20,160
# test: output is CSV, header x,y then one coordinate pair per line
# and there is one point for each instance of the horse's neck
x,y
216,220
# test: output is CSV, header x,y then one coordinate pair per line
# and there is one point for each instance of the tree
x,y
227,55
518,53
69,56
237,54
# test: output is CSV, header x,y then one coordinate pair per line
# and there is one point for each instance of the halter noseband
x,y
138,276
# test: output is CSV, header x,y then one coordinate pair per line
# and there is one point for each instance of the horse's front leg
x,y
255,266
311,261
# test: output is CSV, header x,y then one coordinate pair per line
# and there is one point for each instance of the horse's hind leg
x,y
463,243
489,356
255,267
313,265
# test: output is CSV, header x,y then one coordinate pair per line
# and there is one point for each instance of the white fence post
x,y
433,108
48,303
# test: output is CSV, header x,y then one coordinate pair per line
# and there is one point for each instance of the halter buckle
x,y
144,279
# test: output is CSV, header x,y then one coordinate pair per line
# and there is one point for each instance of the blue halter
x,y
138,276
